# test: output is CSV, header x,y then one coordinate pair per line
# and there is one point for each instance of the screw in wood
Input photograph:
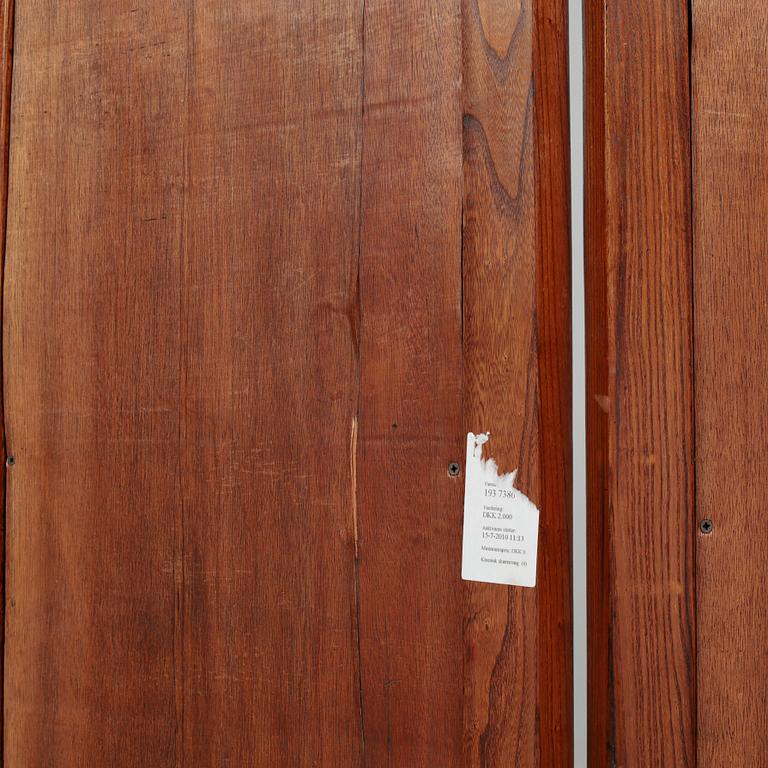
x,y
10,461
706,526
454,469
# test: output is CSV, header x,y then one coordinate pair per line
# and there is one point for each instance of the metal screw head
x,y
454,469
10,461
706,526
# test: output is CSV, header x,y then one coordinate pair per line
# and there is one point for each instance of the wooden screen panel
x,y
470,341
183,208
237,366
642,705
91,383
269,274
516,358
676,314
409,509
551,126
6,62
730,194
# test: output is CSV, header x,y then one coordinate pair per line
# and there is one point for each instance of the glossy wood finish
x,y
641,524
730,193
267,265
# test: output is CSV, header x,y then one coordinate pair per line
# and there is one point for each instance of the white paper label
x,y
501,524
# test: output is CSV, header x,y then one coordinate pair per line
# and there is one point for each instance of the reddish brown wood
x,y
6,69
601,734
500,360
553,319
730,193
409,509
517,368
180,382
241,353
269,389
639,386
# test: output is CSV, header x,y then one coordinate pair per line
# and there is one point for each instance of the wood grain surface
x,y
601,733
730,203
6,68
267,265
268,384
180,363
501,381
551,128
516,317
639,386
409,510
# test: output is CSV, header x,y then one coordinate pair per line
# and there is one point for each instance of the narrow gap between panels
x,y
579,543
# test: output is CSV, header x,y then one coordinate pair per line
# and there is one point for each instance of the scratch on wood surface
x,y
359,660
353,475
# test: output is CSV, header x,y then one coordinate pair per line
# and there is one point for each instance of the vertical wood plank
x,y
231,491
90,362
517,368
600,729
639,386
553,321
180,380
500,360
409,509
269,386
730,194
6,70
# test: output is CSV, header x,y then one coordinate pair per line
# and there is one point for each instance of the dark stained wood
x,y
730,203
639,386
269,386
180,382
409,509
91,383
517,675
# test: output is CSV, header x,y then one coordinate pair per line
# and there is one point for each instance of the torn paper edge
x,y
487,470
